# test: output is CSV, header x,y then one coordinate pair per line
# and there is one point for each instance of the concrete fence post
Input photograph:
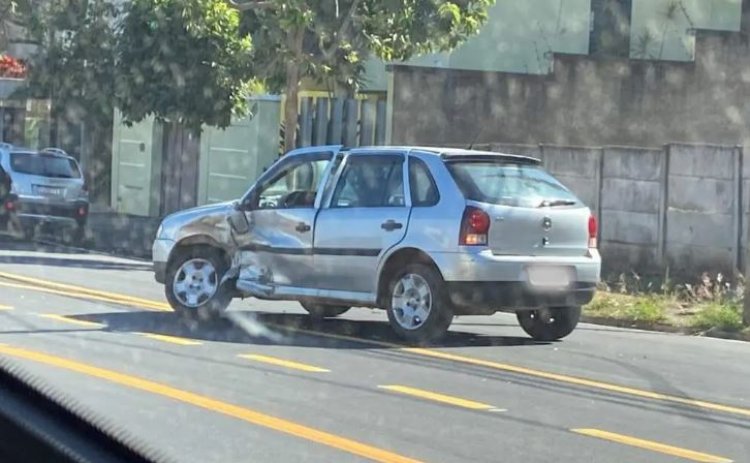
x,y
746,233
737,207
746,299
599,187
661,244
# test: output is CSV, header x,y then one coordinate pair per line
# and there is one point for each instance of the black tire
x,y
212,309
441,312
320,311
560,323
29,232
79,234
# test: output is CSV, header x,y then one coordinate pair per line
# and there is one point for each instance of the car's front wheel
x,y
193,283
549,323
419,309
319,311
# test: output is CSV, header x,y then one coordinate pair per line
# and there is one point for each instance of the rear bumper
x,y
485,266
483,297
33,212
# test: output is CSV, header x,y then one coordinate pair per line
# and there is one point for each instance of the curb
x,y
663,328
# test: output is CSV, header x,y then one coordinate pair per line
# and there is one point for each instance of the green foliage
x,y
184,61
338,36
725,317
75,64
648,309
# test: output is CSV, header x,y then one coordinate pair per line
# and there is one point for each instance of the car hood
x,y
209,215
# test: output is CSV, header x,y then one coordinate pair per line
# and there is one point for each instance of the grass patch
x,y
725,317
651,308
709,304
648,309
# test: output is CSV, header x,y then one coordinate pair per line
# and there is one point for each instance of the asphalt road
x,y
269,385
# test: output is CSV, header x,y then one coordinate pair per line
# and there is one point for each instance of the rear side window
x,y
424,192
371,181
44,165
510,184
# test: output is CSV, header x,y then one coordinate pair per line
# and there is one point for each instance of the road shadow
x,y
266,328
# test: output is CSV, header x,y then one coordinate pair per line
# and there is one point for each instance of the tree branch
x,y
246,6
343,30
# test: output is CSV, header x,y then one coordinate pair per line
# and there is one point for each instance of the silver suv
x,y
49,188
424,233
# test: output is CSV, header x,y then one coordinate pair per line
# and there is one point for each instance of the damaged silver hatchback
x,y
423,233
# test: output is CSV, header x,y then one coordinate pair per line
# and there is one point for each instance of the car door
x,y
367,214
275,246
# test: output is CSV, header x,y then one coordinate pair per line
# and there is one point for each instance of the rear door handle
x,y
302,227
390,225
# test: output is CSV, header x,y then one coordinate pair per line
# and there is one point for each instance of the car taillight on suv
x,y
474,227
593,228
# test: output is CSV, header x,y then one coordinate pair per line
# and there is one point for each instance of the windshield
x,y
44,165
402,231
509,184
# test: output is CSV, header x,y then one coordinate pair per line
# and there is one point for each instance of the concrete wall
x,y
678,206
585,101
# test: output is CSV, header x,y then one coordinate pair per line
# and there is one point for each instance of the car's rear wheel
x,y
193,286
319,311
549,323
419,309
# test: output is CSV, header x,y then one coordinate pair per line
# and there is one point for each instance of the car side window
x,y
371,181
293,187
424,192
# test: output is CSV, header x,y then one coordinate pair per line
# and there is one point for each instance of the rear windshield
x,y
44,165
510,184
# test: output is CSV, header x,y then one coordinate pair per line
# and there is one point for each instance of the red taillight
x,y
81,211
10,206
474,227
593,229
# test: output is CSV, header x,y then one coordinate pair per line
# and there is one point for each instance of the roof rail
x,y
57,151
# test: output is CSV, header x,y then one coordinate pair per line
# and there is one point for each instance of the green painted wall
x,y
517,37
520,34
661,29
232,159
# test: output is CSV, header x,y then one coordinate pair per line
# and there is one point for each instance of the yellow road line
x,y
73,321
81,290
653,446
578,381
79,295
284,363
208,403
442,398
5,307
171,339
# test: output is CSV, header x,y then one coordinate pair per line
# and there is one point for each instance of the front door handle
x,y
390,225
302,227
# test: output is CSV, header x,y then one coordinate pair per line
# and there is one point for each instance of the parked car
x,y
49,189
424,233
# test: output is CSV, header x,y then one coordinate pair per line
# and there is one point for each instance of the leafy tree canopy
x,y
74,64
184,61
328,40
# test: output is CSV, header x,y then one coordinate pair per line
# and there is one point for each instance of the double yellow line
x,y
62,289
77,291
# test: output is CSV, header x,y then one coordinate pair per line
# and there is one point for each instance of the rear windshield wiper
x,y
557,202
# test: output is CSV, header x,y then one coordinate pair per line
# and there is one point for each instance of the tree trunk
x,y
292,89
